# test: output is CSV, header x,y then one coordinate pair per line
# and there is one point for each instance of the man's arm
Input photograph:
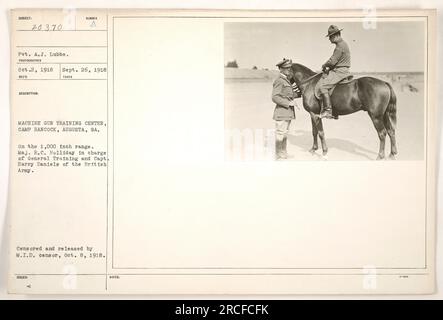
x,y
332,61
277,97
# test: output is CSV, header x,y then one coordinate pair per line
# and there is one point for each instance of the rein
x,y
299,86
310,78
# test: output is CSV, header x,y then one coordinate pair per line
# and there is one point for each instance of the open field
x,y
248,105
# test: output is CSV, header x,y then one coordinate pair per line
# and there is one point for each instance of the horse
x,y
369,94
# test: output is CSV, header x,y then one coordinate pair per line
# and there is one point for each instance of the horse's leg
x,y
314,133
321,133
391,133
381,130
389,122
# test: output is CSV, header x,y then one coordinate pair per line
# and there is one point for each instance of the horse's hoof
x,y
324,157
312,150
391,157
380,157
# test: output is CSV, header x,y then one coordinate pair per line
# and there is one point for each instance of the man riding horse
x,y
368,94
334,70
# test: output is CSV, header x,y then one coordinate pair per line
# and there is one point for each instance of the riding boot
x,y
279,154
284,148
327,108
277,149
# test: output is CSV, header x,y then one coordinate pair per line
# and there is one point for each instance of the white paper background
x,y
227,4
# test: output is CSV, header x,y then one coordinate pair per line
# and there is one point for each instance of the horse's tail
x,y
390,116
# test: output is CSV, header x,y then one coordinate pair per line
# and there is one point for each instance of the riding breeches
x,y
281,129
328,81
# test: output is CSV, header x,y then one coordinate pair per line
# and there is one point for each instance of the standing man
x,y
335,69
283,96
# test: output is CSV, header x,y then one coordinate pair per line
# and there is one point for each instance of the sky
x,y
391,47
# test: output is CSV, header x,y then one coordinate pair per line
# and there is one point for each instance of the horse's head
x,y
300,72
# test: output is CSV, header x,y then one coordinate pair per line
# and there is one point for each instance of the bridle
x,y
310,78
299,86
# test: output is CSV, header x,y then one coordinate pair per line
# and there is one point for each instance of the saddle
x,y
345,80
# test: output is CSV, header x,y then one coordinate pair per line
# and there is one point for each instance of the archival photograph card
x,y
222,152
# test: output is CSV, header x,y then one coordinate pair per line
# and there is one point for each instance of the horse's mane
x,y
303,69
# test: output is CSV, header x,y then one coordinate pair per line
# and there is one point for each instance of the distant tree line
x,y
232,64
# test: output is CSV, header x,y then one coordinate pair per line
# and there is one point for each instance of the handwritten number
x,y
47,27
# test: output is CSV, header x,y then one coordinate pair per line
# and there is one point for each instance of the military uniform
x,y
339,63
282,95
335,70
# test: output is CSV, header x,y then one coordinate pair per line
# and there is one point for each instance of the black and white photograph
x,y
333,89
238,152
